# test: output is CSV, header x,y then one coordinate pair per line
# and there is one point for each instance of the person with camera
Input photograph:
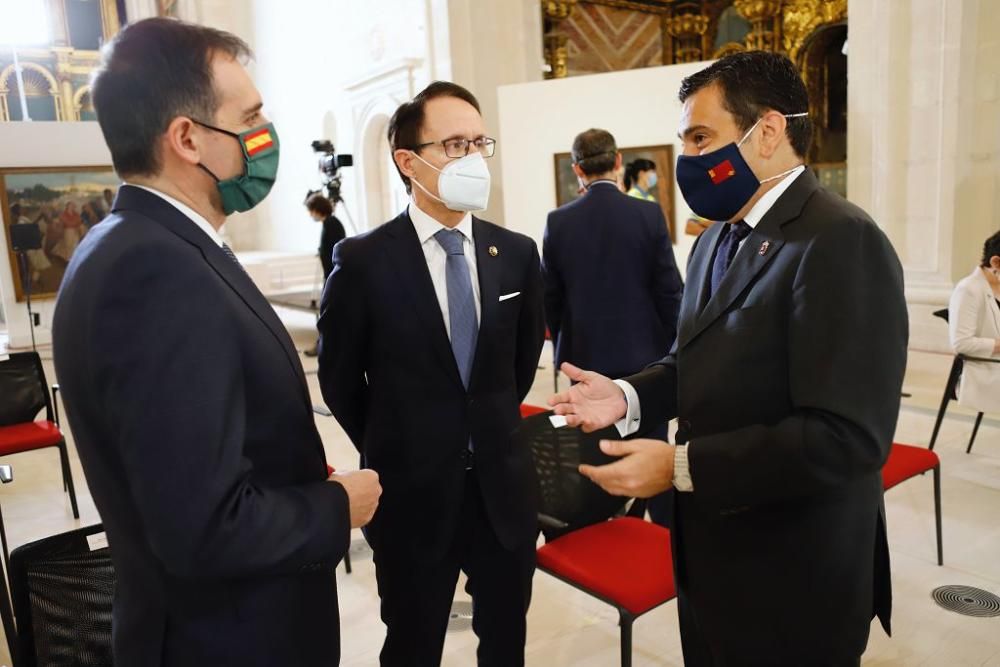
x,y
430,330
189,405
321,210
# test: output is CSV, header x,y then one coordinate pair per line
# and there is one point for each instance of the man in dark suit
x,y
186,398
430,330
786,378
612,289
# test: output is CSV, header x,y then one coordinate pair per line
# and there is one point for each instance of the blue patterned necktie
x,y
462,316
727,251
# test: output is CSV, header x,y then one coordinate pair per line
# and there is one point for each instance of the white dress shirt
x,y
629,424
437,258
192,215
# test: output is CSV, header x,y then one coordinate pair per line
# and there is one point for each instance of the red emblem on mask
x,y
721,172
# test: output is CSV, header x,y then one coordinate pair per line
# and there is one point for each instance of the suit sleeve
x,y
666,279
555,289
180,417
343,341
530,326
848,329
963,318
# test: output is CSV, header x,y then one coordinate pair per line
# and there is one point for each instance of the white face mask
x,y
464,184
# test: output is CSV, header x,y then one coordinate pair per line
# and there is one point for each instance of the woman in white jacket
x,y
974,326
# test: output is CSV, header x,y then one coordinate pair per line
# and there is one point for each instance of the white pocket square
x,y
504,297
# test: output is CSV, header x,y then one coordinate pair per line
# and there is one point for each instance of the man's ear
x,y
183,140
579,172
772,131
404,161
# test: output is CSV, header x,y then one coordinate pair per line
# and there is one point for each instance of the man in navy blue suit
x,y
612,289
430,331
186,397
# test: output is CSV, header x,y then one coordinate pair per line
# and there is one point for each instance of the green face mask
x,y
260,168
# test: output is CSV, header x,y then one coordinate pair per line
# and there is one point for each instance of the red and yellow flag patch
x,y
259,141
721,172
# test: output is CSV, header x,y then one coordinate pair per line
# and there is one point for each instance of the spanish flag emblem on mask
x,y
258,141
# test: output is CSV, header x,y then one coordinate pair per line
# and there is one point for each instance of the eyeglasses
x,y
461,147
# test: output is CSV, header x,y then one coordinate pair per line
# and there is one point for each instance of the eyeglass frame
x,y
468,146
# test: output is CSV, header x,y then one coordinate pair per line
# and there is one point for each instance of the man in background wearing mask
x,y
430,330
785,379
186,398
612,289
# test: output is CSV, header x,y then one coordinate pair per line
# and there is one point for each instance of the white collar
x,y
189,212
427,226
765,203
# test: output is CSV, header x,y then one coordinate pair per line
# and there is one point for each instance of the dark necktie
x,y
462,316
231,255
734,233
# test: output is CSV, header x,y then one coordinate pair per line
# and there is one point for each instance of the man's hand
x,y
646,469
593,403
363,491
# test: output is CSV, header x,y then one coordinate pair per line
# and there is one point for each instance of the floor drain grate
x,y
967,601
460,618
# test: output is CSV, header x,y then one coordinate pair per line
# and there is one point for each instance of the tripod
x,y
25,237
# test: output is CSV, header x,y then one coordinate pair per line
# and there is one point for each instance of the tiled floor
x,y
566,627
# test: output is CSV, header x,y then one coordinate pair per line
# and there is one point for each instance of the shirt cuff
x,y
629,424
682,469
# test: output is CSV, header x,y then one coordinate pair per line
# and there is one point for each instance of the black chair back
x,y
23,388
564,494
62,587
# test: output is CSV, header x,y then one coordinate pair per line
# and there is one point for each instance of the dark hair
x,y
754,82
317,203
406,123
634,168
15,211
595,152
991,248
150,73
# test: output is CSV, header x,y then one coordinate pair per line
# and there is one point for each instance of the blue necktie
x,y
734,233
461,302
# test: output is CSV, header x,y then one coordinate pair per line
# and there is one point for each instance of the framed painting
x,y
64,203
567,187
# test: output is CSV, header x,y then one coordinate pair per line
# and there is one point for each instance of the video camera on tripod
x,y
329,166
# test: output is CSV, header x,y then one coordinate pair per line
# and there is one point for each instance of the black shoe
x,y
312,351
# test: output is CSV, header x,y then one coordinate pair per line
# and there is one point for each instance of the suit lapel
x,y
759,249
488,268
161,211
408,258
698,272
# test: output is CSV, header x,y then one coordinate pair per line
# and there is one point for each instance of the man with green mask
x,y
188,404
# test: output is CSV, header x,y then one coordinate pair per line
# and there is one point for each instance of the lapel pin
x,y
493,251
764,247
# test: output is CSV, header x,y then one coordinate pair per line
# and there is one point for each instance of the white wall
x,y
537,120
38,144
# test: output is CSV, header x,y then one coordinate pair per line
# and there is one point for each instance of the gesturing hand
x,y
593,403
645,469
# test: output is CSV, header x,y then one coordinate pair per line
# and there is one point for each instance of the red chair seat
x,y
528,410
28,436
906,461
626,562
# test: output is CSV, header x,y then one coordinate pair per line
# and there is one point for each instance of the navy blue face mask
x,y
717,185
